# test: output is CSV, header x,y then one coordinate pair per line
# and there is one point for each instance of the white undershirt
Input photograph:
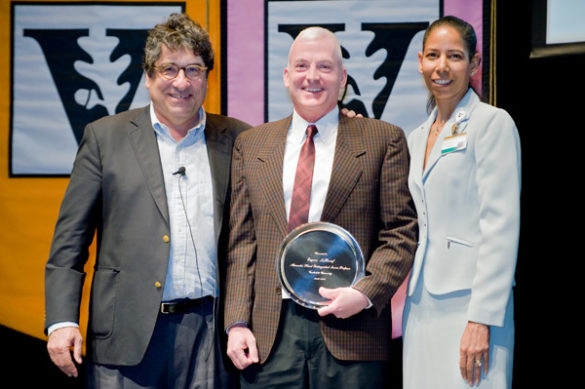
x,y
325,141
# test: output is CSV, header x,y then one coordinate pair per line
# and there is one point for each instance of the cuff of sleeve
x,y
370,305
63,324
236,324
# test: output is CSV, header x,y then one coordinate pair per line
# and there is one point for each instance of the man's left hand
x,y
345,302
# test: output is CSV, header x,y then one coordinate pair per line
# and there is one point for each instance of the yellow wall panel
x,y
29,206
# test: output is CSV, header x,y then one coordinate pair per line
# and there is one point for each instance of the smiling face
x,y
176,102
314,75
446,65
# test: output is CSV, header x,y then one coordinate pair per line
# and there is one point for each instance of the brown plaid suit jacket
x,y
368,196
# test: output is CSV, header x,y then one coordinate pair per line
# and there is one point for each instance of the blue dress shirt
x,y
193,252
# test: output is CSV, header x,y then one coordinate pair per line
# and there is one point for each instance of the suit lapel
x,y
143,140
346,169
464,108
271,157
435,152
345,173
219,147
417,154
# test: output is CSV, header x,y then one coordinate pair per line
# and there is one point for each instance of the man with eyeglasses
x,y
154,183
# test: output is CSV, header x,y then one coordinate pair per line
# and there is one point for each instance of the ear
x,y
147,80
420,58
344,79
475,63
285,77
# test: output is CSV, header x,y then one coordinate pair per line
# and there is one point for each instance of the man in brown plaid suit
x,y
359,183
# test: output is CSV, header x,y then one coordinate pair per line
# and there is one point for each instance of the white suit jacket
x,y
468,202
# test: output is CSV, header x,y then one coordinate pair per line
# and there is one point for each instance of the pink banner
x,y
472,13
245,60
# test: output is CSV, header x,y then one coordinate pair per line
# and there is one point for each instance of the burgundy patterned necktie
x,y
301,196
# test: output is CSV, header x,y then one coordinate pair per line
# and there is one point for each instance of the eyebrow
x,y
434,49
176,64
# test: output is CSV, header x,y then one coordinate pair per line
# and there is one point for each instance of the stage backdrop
x,y
380,40
69,62
64,64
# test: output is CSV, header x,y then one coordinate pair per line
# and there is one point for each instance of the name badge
x,y
454,143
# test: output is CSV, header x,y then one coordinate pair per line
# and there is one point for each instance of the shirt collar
x,y
193,133
326,126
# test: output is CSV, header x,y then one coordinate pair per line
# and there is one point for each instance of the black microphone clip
x,y
180,171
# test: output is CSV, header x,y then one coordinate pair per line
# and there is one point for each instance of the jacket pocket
x,y
103,302
461,262
455,241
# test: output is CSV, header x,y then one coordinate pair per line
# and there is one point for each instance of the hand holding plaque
x,y
315,255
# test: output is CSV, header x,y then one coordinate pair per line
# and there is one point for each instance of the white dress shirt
x,y
324,140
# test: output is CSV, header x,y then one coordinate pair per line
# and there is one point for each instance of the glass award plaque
x,y
315,255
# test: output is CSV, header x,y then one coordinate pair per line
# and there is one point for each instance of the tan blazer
x,y
367,195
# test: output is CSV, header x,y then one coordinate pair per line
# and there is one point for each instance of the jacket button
x,y
157,285
277,290
166,239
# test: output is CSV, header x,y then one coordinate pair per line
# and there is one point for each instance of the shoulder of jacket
x,y
227,121
262,129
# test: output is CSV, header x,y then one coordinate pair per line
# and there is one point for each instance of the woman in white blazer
x,y
465,182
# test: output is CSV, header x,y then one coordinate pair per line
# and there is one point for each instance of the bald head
x,y
315,75
316,33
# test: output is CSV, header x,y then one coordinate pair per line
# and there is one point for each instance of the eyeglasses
x,y
170,71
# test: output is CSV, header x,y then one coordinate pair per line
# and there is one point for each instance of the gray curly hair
x,y
179,31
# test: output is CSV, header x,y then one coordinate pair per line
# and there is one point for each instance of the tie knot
x,y
311,130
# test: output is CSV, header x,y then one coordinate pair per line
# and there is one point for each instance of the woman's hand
x,y
474,352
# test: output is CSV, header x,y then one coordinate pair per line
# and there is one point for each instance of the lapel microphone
x,y
180,171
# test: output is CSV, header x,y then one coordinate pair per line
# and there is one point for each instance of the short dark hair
x,y
179,31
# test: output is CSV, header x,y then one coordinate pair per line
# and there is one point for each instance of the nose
x,y
313,73
181,81
443,63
